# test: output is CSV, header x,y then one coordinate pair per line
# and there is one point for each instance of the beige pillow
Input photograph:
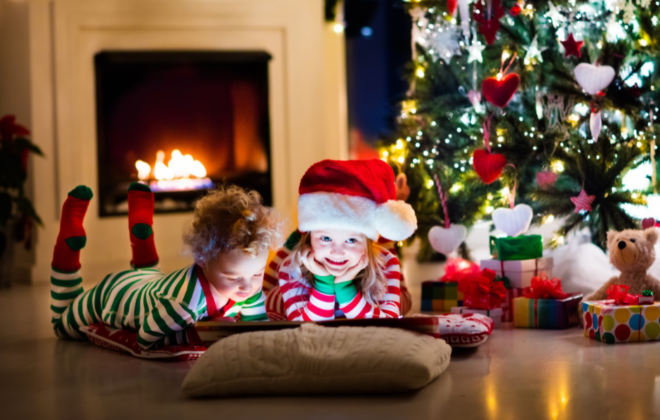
x,y
318,360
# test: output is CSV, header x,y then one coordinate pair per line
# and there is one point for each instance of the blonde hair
x,y
371,281
231,218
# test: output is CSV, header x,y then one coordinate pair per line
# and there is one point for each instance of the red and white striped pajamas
x,y
325,300
274,296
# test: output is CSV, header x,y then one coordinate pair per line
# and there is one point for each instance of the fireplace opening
x,y
181,122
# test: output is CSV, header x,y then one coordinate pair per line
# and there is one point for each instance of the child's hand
x,y
307,258
350,274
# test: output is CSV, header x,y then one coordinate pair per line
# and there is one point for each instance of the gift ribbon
x,y
542,288
458,268
482,290
536,313
619,293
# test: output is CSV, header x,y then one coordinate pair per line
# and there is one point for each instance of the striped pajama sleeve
x,y
254,308
355,305
299,304
271,276
167,318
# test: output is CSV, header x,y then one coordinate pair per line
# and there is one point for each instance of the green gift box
x,y
523,247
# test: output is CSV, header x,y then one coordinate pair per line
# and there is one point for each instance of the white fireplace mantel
x,y
306,89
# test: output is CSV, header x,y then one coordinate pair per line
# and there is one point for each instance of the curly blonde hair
x,y
230,218
371,281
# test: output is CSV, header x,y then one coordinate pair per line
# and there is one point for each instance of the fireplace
x,y
181,122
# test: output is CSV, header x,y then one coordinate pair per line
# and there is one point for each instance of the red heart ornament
x,y
648,222
451,6
488,165
500,92
515,10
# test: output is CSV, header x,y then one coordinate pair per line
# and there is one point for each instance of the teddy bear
x,y
632,252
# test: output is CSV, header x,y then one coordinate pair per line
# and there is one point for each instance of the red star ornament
x,y
572,47
583,201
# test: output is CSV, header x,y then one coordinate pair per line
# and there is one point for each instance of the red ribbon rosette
x,y
481,291
457,269
619,293
542,288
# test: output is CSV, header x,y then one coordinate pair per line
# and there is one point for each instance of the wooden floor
x,y
517,374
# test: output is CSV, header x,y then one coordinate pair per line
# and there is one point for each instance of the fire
x,y
180,166
179,173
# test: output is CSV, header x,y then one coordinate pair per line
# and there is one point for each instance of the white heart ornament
x,y
592,78
446,241
514,221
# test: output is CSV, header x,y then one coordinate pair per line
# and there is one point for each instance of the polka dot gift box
x,y
610,323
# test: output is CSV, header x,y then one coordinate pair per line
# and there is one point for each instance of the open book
x,y
212,331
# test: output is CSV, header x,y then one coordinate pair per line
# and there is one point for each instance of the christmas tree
x,y
544,103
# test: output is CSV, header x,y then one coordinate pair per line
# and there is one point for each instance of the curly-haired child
x,y
230,237
336,267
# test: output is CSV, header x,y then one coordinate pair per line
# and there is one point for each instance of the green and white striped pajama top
x,y
158,306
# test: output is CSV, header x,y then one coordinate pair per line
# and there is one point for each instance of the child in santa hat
x,y
336,266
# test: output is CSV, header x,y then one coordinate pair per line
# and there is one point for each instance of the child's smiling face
x,y
236,275
338,250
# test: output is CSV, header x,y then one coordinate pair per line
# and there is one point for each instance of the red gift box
x,y
481,291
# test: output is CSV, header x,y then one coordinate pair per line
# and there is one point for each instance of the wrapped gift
x,y
609,322
523,247
646,298
443,294
440,296
621,318
494,314
545,305
507,305
519,273
482,290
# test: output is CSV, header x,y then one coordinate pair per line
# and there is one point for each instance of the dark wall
x,y
374,61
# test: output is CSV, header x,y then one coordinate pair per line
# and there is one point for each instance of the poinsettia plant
x,y
15,148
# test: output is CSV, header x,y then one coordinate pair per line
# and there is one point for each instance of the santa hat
x,y
355,195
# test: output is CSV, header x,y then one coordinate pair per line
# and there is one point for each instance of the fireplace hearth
x,y
182,123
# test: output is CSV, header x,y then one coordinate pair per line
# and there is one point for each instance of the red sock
x,y
140,222
72,237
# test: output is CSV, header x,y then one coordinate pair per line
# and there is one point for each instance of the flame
x,y
179,167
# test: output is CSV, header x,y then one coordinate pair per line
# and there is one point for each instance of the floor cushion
x,y
313,359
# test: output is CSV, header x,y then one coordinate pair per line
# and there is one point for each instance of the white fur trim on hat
x,y
395,220
323,210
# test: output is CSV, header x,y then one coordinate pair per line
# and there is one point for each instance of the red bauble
x,y
488,165
571,46
499,92
515,10
451,6
488,25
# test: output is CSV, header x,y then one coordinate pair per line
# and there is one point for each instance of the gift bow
x,y
619,293
482,291
542,288
457,269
